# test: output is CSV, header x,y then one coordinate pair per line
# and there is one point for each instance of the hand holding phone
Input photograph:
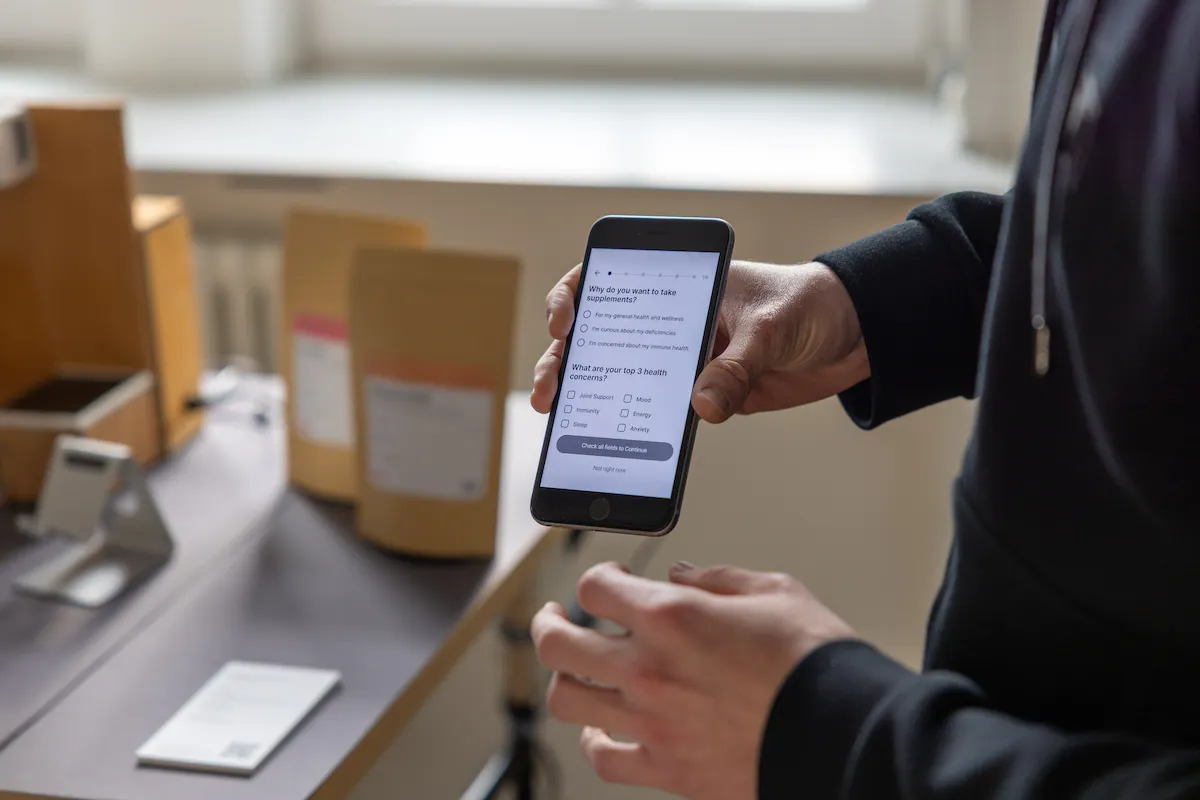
x,y
787,335
621,428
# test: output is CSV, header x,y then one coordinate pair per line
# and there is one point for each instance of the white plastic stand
x,y
96,495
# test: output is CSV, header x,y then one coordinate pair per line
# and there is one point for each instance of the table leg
x,y
522,689
515,768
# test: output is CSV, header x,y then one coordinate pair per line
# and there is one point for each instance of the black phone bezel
x,y
623,513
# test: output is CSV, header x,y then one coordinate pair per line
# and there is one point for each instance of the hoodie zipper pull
x,y
1041,345
1074,50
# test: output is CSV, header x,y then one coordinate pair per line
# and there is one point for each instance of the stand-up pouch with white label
x,y
431,348
319,249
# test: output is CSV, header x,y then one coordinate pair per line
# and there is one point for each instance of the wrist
x,y
841,315
832,334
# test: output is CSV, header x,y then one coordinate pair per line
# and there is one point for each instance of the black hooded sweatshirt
x,y
1063,652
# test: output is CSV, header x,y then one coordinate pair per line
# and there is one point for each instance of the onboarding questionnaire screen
x,y
624,399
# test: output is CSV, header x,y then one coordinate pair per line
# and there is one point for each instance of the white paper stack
x,y
234,722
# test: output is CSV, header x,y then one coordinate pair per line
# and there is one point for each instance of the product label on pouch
x,y
428,434
320,395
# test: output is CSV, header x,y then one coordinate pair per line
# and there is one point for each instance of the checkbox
x,y
628,398
621,428
566,422
566,409
624,412
571,395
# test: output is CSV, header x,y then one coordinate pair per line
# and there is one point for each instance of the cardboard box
x,y
431,346
165,245
107,406
95,282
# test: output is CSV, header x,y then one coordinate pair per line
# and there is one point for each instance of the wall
x,y
861,517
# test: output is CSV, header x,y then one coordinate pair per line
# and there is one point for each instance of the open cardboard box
x,y
99,332
112,406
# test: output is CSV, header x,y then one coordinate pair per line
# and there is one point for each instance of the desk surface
x,y
211,494
296,588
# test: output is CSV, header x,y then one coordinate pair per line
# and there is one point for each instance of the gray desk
x,y
292,585
211,495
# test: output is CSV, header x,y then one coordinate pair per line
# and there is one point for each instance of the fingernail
x,y
716,397
682,566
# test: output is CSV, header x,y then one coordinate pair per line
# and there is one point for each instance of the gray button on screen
x,y
615,448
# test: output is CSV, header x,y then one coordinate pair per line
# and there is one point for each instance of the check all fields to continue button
x,y
615,448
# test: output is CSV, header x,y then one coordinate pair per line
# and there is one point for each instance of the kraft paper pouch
x,y
431,342
319,250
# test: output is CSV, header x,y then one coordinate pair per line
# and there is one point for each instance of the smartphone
x,y
619,438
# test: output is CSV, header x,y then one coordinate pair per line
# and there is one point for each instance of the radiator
x,y
238,282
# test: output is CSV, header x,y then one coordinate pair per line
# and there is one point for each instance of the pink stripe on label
x,y
321,327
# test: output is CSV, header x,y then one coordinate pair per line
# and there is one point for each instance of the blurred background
x,y
509,126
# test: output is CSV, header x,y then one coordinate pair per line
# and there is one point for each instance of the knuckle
x,y
768,318
606,766
769,326
781,581
671,610
550,642
718,573
537,632
625,669
655,733
644,682
546,363
735,368
557,700
593,582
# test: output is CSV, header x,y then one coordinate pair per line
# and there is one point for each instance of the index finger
x,y
560,304
563,646
609,591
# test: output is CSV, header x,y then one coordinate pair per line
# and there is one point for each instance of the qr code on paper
x,y
239,750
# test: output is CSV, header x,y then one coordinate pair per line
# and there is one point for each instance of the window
x,y
33,25
814,36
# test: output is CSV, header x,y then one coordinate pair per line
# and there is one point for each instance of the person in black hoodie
x,y
1063,649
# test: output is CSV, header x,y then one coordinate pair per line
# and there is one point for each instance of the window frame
x,y
882,37
41,25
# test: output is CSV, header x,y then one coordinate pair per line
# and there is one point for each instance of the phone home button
x,y
599,509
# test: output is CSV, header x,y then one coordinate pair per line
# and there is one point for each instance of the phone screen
x,y
626,389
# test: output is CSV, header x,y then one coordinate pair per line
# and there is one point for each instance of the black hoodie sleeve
x,y
851,724
920,288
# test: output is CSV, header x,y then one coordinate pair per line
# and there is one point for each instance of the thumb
x,y
717,580
724,384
